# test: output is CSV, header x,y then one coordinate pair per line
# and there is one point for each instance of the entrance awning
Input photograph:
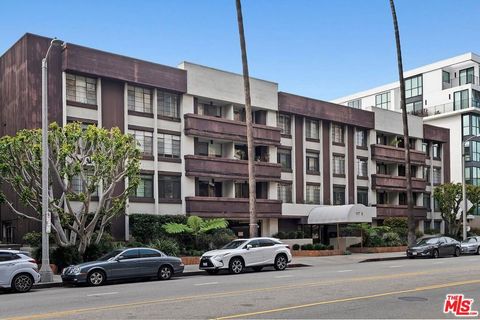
x,y
353,213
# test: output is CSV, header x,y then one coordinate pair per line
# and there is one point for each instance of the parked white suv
x,y
18,271
242,253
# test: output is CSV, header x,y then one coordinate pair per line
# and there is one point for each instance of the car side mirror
x,y
249,246
120,258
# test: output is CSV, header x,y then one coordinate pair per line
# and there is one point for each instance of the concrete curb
x,y
58,284
383,259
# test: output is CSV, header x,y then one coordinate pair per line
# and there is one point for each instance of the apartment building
x,y
189,122
446,94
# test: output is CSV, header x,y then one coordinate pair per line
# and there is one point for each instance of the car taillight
x,y
33,261
288,247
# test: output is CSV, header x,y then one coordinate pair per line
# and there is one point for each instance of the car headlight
x,y
75,270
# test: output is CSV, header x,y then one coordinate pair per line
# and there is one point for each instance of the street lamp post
x,y
45,271
464,190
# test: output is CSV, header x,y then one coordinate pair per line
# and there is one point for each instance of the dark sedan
x,y
435,247
471,245
123,264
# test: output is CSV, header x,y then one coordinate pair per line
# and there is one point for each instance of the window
x,y
167,104
139,99
284,192
311,129
382,100
382,168
145,187
361,138
475,98
130,254
472,151
208,148
382,197
471,125
402,198
81,89
239,114
472,175
169,188
460,100
312,162
466,76
445,76
144,140
78,184
357,104
284,157
362,167
413,86
437,175
210,110
284,123
266,243
148,253
7,256
362,196
337,134
168,145
426,174
415,107
339,164
208,188
426,148
436,151
312,195
426,201
338,195
241,189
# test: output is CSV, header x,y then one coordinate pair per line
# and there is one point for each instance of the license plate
x,y
205,264
414,253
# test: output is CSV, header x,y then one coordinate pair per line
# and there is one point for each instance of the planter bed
x,y
377,249
316,253
190,260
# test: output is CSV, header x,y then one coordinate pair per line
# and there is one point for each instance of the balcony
x,y
220,128
231,208
446,108
396,210
396,183
220,168
396,155
460,81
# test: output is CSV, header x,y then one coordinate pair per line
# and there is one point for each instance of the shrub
x,y
300,235
430,231
419,234
330,247
65,256
34,239
167,246
296,246
391,239
280,235
95,251
147,228
307,246
292,235
398,225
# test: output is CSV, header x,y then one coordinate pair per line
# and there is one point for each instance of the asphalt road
x,y
389,289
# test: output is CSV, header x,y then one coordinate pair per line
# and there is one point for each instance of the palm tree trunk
x,y
408,172
248,115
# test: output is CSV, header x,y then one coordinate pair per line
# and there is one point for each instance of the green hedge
x,y
147,228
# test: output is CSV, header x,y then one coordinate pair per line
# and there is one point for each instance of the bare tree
x,y
248,115
408,171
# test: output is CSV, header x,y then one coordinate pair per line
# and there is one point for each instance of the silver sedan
x,y
471,245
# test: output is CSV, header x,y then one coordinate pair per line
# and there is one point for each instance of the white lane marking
x,y
205,284
285,276
101,294
344,270
439,262
472,260
396,266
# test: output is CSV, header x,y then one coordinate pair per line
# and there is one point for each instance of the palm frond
x,y
213,224
175,228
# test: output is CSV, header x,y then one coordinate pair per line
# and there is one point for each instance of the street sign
x,y
469,205
49,222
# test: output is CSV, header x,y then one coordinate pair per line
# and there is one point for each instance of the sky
x,y
322,49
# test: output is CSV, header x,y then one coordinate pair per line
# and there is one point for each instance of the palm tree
x,y
248,115
408,172
195,226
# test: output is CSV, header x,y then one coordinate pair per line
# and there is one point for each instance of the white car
x,y
18,271
243,253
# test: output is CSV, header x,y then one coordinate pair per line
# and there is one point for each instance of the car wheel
x,y
457,252
280,262
257,269
22,283
236,266
96,278
213,271
435,254
478,250
165,272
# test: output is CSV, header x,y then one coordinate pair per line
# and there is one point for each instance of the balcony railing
x,y
231,208
396,183
202,166
446,107
225,129
396,210
396,155
460,81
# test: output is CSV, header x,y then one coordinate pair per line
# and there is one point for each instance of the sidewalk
x,y
192,270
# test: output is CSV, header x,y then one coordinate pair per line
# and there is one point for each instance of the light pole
x,y
45,271
464,189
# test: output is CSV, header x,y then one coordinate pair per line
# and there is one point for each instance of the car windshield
x,y
469,240
427,241
110,255
234,244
